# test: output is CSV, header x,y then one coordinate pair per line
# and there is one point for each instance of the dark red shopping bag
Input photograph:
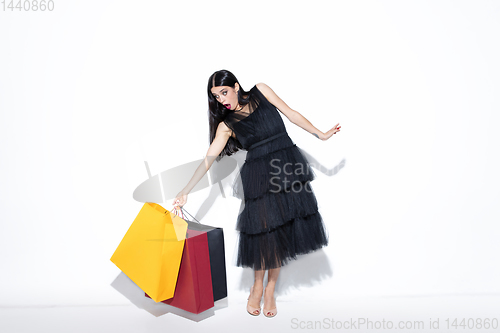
x,y
193,291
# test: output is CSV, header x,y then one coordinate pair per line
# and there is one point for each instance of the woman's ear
x,y
236,87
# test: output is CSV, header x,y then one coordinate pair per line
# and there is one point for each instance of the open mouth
x,y
228,106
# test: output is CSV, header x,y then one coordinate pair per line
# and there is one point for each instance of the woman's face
x,y
227,96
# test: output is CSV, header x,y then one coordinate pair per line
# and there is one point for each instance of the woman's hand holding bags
x,y
180,199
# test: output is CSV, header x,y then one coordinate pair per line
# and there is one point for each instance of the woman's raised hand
x,y
331,132
180,199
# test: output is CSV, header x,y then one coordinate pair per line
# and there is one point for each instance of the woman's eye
x,y
225,92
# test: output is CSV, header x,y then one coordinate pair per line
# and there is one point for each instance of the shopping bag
x,y
215,237
150,252
193,291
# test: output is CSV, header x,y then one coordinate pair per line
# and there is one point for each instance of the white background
x,y
91,90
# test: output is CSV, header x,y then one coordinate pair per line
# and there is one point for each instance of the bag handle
x,y
179,209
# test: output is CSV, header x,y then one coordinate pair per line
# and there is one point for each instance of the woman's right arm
x,y
221,137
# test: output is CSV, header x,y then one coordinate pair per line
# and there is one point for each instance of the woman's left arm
x,y
294,116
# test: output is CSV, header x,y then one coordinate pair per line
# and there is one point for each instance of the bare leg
x,y
258,288
269,301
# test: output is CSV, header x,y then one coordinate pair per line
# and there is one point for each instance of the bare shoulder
x,y
223,128
264,89
274,99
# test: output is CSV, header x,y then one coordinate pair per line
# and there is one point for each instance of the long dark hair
x,y
217,112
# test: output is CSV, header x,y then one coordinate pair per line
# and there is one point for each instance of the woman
x,y
280,219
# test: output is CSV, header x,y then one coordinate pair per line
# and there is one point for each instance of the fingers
x,y
336,128
333,131
180,200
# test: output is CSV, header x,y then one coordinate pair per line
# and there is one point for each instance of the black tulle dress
x,y
280,218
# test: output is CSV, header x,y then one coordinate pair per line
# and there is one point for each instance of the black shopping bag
x,y
215,237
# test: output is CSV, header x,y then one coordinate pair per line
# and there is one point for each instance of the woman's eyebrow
x,y
219,91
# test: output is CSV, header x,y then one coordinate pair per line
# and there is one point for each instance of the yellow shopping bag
x,y
151,250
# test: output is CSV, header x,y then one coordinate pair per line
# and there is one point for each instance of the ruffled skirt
x,y
280,218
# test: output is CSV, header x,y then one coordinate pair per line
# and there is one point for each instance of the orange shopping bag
x,y
151,250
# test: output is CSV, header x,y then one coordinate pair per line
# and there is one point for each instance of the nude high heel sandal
x,y
271,312
250,309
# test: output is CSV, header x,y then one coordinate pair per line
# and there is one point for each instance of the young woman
x,y
280,218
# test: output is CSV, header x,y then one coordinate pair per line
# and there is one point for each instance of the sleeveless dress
x,y
280,218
